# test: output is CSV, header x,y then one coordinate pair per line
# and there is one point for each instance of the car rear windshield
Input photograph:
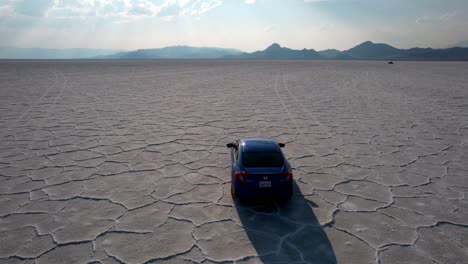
x,y
262,159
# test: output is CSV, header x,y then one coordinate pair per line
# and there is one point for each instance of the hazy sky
x,y
247,25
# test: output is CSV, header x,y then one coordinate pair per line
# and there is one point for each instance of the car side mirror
x,y
230,145
281,145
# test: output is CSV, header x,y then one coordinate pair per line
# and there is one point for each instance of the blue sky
x,y
248,25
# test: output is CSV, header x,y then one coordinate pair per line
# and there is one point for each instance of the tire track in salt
x,y
36,103
40,99
290,116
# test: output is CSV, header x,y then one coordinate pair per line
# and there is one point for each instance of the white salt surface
x,y
108,161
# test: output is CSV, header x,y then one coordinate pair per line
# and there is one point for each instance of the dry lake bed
x,y
125,161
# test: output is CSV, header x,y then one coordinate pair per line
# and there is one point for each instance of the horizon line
x,y
214,47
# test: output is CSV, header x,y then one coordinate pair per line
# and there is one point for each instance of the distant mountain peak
x,y
370,44
462,44
368,49
366,44
275,51
274,46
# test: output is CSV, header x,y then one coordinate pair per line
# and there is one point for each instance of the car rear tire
x,y
236,199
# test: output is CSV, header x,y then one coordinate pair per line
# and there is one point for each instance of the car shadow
x,y
284,232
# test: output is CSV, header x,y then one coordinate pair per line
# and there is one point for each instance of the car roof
x,y
259,145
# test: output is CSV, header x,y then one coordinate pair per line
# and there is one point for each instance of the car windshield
x,y
262,159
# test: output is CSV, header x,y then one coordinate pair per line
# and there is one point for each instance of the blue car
x,y
260,170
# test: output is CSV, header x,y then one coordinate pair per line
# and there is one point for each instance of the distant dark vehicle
x,y
390,62
260,170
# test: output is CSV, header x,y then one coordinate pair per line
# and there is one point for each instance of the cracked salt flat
x,y
124,161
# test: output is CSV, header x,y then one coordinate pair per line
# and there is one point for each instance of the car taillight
x,y
289,175
240,175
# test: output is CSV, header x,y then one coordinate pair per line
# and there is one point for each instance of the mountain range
x,y
40,53
275,51
364,51
461,44
175,52
380,51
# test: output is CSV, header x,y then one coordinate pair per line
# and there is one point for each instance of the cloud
x,y
249,2
436,19
327,27
270,28
118,11
144,8
6,10
36,8
199,6
170,11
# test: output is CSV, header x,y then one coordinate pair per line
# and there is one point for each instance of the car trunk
x,y
265,179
